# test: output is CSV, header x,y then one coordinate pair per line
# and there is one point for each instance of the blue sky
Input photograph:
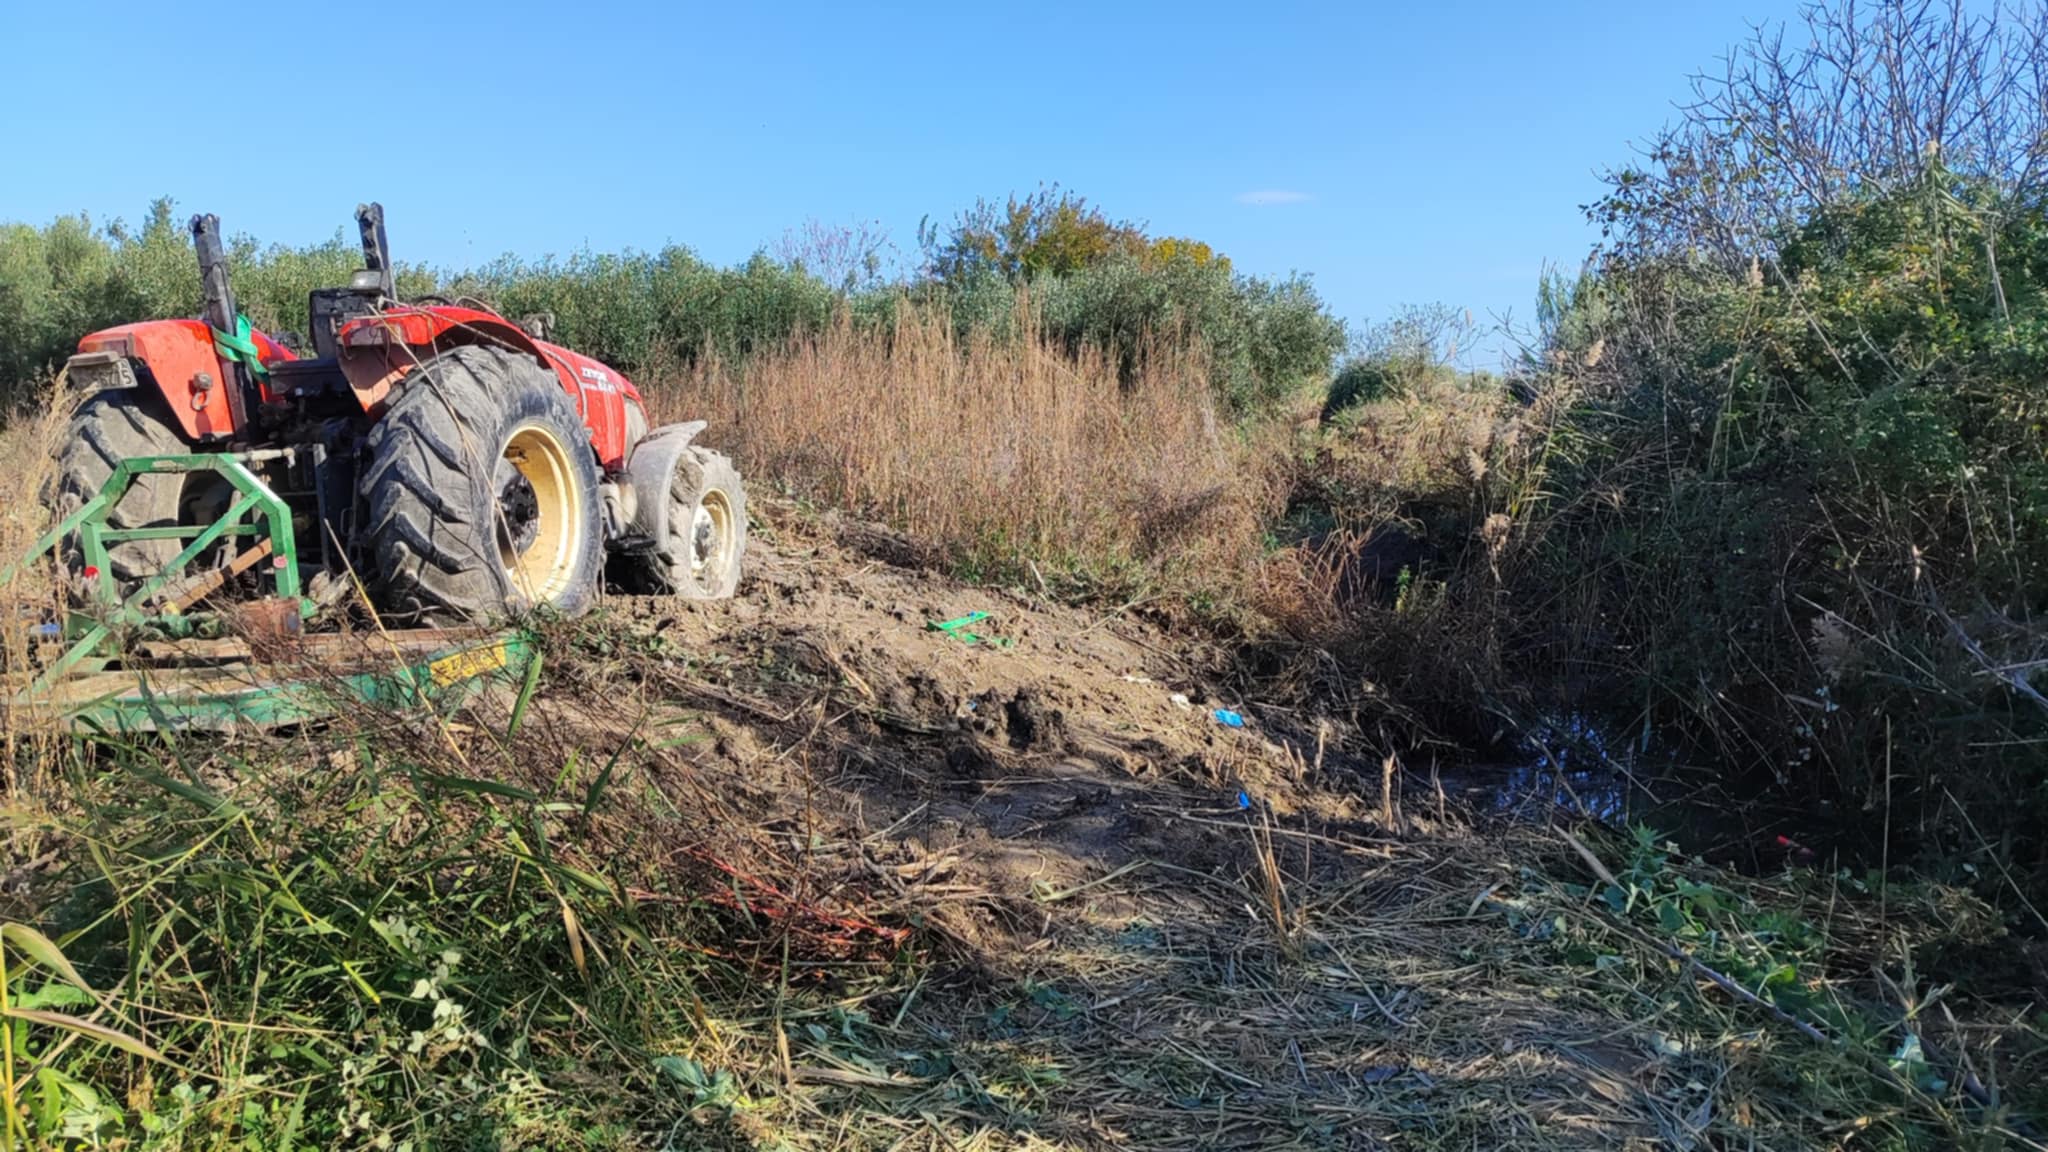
x,y
1397,153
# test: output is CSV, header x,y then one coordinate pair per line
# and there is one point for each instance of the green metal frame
x,y
177,698
272,518
440,680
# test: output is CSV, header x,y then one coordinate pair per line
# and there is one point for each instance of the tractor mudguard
x,y
377,350
602,396
650,473
180,357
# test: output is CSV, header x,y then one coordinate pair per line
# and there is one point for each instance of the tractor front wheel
x,y
481,490
707,531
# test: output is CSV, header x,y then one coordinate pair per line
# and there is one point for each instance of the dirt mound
x,y
1034,746
1150,915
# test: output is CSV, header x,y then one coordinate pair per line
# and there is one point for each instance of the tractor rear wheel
x,y
108,428
482,493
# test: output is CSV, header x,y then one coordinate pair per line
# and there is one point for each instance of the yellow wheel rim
x,y
539,531
711,539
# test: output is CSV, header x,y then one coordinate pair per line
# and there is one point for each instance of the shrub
x,y
1104,284
1047,233
1264,340
1357,382
1798,499
1414,352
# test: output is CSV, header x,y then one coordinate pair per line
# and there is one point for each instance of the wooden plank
x,y
177,651
200,587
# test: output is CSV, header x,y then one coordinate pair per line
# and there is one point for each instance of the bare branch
x,y
1849,99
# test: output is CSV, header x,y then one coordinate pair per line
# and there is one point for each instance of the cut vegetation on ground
x,y
1155,715
802,871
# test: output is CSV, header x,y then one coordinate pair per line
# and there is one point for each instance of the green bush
x,y
652,312
1801,508
1415,352
1047,233
1357,382
1265,340
1102,283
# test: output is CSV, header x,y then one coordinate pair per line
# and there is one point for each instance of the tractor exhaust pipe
x,y
221,315
376,248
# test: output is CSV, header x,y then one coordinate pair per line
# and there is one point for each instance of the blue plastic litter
x,y
1244,800
1229,719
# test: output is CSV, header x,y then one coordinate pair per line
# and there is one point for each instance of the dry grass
x,y
1439,443
27,460
1410,518
1000,454
716,893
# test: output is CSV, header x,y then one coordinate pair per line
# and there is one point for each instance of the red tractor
x,y
459,464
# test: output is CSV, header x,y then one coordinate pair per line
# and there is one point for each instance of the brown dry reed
x,y
27,460
1007,456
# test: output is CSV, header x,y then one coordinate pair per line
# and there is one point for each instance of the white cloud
x,y
1269,197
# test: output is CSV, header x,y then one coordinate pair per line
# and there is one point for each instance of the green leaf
x,y
595,792
215,805
54,995
49,1100
590,880
681,1069
42,950
526,690
89,1030
1670,918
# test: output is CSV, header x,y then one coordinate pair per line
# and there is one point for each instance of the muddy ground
x,y
1128,923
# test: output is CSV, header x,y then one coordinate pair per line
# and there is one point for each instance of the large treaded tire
x,y
700,559
108,428
432,485
702,476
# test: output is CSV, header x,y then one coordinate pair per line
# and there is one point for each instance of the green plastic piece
x,y
237,346
957,629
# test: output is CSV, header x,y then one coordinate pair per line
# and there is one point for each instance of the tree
x,y
1049,231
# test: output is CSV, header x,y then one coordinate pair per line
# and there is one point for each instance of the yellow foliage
x,y
1168,249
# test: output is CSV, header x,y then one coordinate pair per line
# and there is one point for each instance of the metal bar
x,y
180,532
123,477
48,540
92,550
214,531
226,648
233,466
127,612
376,248
206,585
89,522
71,657
258,695
221,314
